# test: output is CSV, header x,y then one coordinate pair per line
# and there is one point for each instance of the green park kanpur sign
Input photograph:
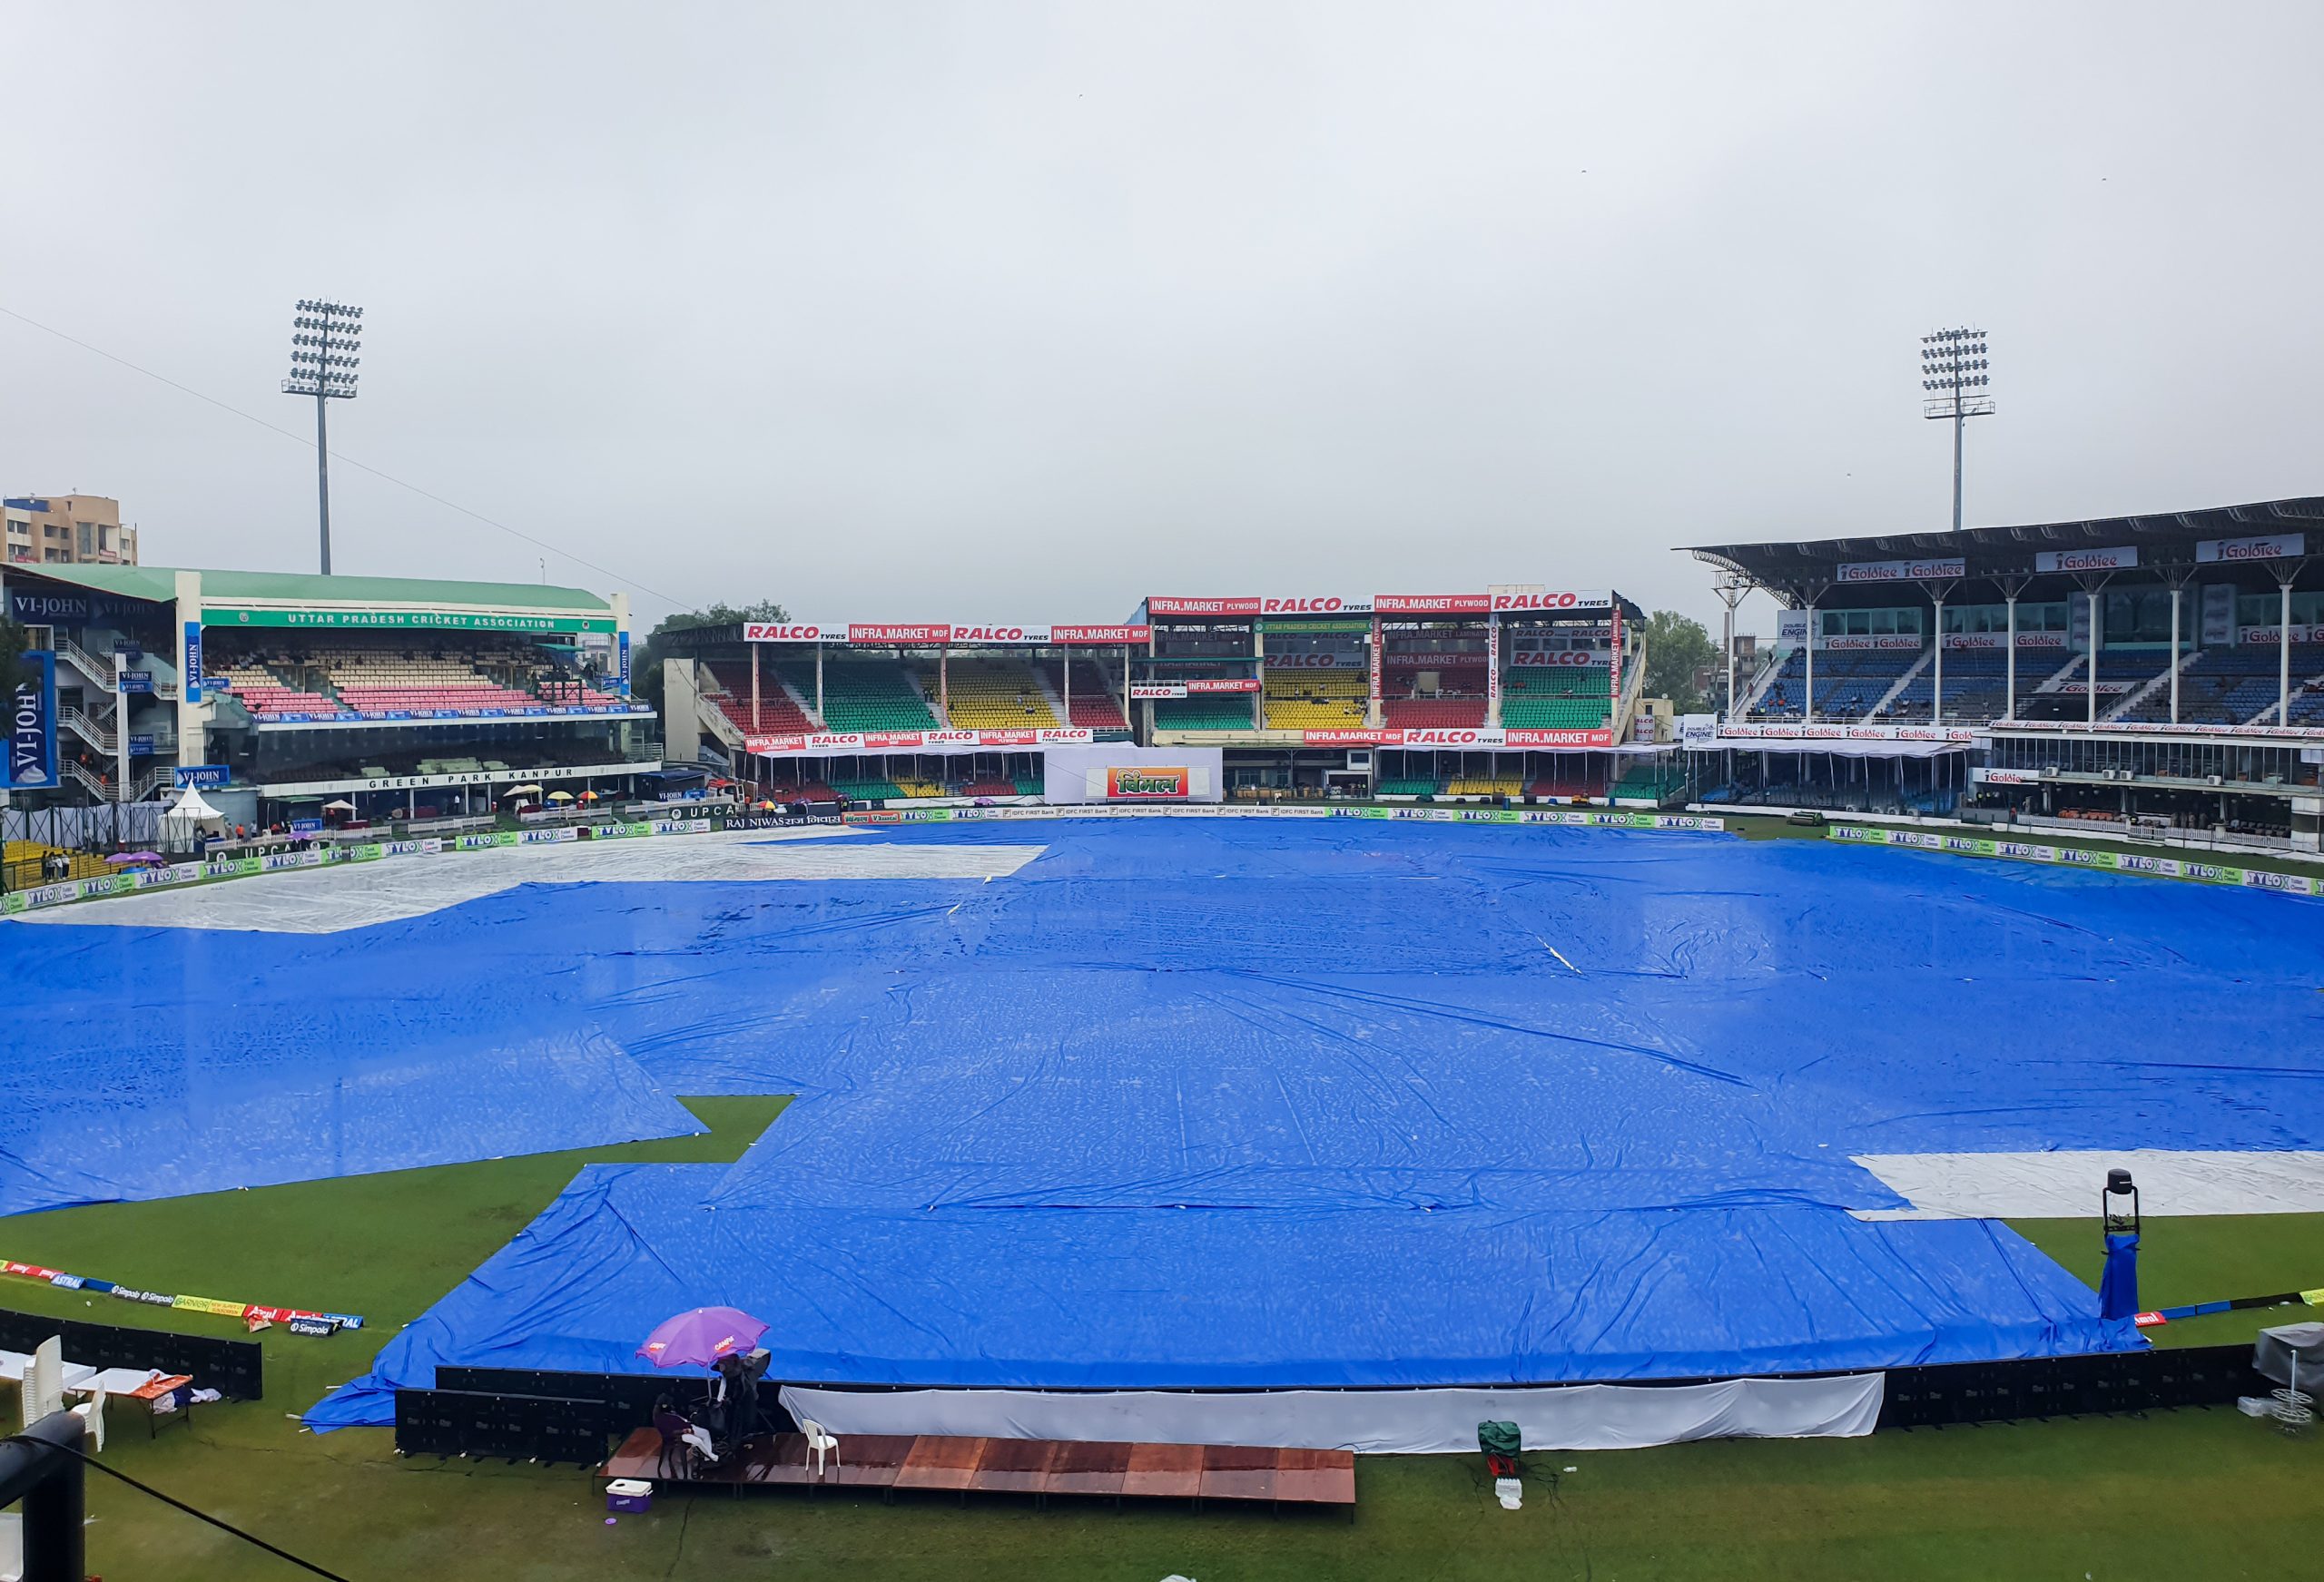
x,y
454,620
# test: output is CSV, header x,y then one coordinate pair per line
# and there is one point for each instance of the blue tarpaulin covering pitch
x,y
147,1062
1215,1101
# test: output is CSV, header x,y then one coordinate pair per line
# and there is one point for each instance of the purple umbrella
x,y
119,858
700,1337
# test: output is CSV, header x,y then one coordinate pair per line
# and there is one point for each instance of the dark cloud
x,y
1019,311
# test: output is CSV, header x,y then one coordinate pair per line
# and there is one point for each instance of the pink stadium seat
x,y
1433,713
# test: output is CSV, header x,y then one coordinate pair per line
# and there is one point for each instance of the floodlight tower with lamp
x,y
326,336
1953,383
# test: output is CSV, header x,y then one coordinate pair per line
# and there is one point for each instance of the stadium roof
x,y
159,583
2168,537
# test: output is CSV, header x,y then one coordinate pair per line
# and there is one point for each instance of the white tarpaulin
x,y
1120,773
1573,1417
325,900
2062,1184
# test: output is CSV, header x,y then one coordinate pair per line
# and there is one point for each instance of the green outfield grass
x,y
2175,1495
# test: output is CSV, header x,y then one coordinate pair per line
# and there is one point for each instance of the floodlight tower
x,y
323,365
1954,379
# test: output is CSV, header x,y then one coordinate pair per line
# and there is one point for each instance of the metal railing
x,y
88,729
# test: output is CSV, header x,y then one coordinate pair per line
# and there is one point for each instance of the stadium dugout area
x,y
1519,693
278,695
2152,676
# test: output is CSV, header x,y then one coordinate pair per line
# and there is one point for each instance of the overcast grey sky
x,y
1016,312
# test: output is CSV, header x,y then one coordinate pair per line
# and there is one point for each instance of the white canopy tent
x,y
191,814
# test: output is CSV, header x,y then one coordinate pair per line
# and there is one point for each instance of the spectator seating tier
x,y
992,694
777,716
1556,697
1650,780
1219,712
1316,699
1093,704
864,695
1439,713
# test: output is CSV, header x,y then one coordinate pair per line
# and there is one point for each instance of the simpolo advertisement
x,y
1142,785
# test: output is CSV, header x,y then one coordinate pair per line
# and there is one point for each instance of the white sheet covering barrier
x,y
1573,1417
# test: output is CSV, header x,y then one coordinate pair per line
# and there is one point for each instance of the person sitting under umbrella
x,y
707,1337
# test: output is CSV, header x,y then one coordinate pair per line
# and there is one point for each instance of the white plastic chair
x,y
818,1442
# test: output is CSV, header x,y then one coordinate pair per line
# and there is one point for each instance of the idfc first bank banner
x,y
31,758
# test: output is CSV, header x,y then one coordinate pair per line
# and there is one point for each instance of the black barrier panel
x,y
630,1395
1959,1392
543,1415
520,1428
231,1367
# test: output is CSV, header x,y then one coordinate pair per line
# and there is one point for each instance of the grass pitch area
x,y
2171,1495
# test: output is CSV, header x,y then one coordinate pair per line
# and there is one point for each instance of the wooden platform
x,y
1040,1468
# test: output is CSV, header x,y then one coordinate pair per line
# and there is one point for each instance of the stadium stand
x,y
992,694
859,790
572,691
265,695
776,714
27,857
1647,781
1094,705
1560,791
1976,680
801,791
864,695
1223,712
1433,713
1409,786
1849,685
2226,686
1474,785
1314,699
1556,697
380,681
1848,682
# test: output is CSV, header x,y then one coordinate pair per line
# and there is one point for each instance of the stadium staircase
x,y
1753,689
98,667
780,713
1095,706
2157,687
